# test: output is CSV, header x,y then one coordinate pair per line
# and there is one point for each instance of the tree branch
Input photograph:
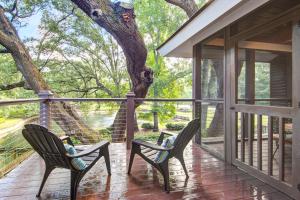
x,y
12,86
4,51
103,88
189,6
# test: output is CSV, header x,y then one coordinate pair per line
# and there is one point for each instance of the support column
x,y
296,106
130,103
229,97
45,108
250,99
250,77
197,87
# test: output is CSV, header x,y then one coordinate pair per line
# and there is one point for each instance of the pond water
x,y
100,119
103,119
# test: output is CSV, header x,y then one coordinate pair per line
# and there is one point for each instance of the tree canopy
x,y
76,57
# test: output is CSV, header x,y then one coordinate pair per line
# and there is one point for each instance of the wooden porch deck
x,y
210,178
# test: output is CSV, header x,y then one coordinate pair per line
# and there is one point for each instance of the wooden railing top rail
x,y
88,99
163,99
18,101
24,101
265,110
268,99
209,100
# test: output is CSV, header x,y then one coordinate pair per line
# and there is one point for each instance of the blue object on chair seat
x,y
167,143
77,163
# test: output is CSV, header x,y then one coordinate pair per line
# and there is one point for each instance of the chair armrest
x,y
90,150
150,145
67,138
162,135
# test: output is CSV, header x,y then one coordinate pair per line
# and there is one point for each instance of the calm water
x,y
100,119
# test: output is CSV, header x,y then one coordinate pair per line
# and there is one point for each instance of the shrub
x,y
110,129
149,136
147,126
105,134
105,131
75,140
174,127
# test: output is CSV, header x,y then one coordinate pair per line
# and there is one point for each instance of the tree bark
x,y
204,91
189,6
66,116
12,86
216,127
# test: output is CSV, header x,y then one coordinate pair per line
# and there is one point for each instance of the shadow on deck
x,y
210,178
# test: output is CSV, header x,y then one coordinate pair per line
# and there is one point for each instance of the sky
x,y
32,27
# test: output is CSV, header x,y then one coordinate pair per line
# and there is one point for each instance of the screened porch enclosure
x,y
248,86
246,79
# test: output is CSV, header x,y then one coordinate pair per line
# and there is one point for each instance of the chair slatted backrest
x,y
47,144
185,136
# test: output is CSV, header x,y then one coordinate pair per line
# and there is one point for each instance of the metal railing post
x,y
45,109
130,103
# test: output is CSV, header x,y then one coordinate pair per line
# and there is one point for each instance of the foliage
x,y
83,50
175,126
19,111
262,81
147,126
104,132
148,136
2,119
10,75
77,58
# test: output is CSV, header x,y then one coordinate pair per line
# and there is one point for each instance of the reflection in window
x,y
212,89
264,68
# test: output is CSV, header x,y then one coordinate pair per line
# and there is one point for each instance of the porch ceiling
x,y
217,15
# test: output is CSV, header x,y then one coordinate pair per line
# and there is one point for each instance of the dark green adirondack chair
x,y
52,150
148,151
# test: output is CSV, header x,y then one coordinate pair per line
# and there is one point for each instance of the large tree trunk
x,y
216,127
204,91
110,17
65,115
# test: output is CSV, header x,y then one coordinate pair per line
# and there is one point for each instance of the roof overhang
x,y
217,15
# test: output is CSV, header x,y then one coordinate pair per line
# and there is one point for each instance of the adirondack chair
x,y
148,151
52,150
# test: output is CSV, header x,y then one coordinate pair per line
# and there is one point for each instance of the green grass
x,y
6,123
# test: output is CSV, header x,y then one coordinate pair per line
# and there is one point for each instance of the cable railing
x,y
87,120
14,114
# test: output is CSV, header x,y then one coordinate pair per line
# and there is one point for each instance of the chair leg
x,y
107,160
131,160
46,174
75,179
181,160
165,172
